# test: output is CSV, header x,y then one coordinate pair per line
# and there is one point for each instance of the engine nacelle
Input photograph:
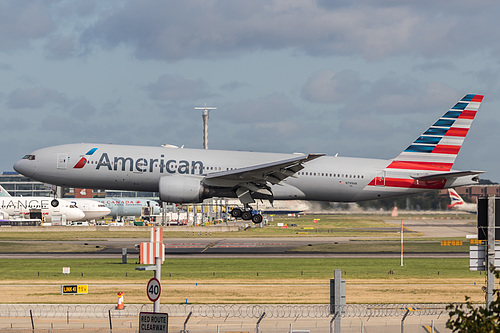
x,y
182,189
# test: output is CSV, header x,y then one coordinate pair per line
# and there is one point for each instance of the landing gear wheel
x,y
257,218
236,212
54,203
246,215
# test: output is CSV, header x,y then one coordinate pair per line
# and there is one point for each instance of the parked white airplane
x,y
92,209
191,175
457,203
129,206
37,207
277,207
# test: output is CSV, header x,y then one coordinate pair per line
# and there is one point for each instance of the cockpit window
x,y
29,157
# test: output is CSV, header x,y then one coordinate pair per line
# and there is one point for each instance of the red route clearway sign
x,y
151,322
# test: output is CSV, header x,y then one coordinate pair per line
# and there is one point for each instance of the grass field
x,y
236,269
248,280
243,280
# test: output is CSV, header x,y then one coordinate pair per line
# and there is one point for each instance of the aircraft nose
x,y
78,214
25,167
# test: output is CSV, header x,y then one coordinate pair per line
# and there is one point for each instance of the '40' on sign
x,y
154,289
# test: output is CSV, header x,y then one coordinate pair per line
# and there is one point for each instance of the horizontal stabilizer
x,y
447,175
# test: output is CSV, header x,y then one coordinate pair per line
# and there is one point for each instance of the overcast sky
x,y
358,78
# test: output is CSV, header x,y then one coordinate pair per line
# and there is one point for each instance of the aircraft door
x,y
62,161
380,178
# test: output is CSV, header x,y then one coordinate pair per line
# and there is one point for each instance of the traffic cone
x,y
121,303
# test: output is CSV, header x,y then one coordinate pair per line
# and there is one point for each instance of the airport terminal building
x,y
18,185
478,191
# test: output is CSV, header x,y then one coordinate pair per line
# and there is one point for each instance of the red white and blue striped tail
x,y
455,198
437,148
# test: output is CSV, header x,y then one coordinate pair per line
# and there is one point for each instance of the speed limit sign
x,y
154,289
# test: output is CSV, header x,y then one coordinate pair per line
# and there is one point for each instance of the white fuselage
x,y
22,207
128,206
137,168
465,207
91,208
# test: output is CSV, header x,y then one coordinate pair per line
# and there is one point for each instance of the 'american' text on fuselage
x,y
141,165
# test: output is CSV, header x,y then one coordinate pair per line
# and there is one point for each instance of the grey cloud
x,y
435,65
221,28
271,108
64,124
83,109
326,86
23,21
35,98
233,85
61,47
174,88
5,67
16,124
399,95
82,8
175,30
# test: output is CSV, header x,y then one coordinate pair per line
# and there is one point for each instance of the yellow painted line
x,y
209,246
428,329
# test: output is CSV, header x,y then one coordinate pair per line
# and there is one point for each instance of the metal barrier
x,y
220,310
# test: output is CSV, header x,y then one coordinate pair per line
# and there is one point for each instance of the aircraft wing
x,y
447,175
256,179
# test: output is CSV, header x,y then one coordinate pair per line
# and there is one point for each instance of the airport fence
x,y
220,310
198,318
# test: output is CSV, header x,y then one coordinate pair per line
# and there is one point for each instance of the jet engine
x,y
182,189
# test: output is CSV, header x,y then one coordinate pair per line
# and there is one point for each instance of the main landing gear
x,y
246,214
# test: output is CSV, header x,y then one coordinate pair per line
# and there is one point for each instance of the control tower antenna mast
x,y
204,114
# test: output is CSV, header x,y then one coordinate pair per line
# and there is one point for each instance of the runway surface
x,y
204,247
230,248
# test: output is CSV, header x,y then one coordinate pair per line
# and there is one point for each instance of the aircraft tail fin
x,y
3,192
455,198
437,148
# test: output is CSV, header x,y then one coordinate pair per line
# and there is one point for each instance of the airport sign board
x,y
73,289
477,257
153,322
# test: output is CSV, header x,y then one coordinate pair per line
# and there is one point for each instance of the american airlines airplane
x,y
182,175
43,207
457,203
